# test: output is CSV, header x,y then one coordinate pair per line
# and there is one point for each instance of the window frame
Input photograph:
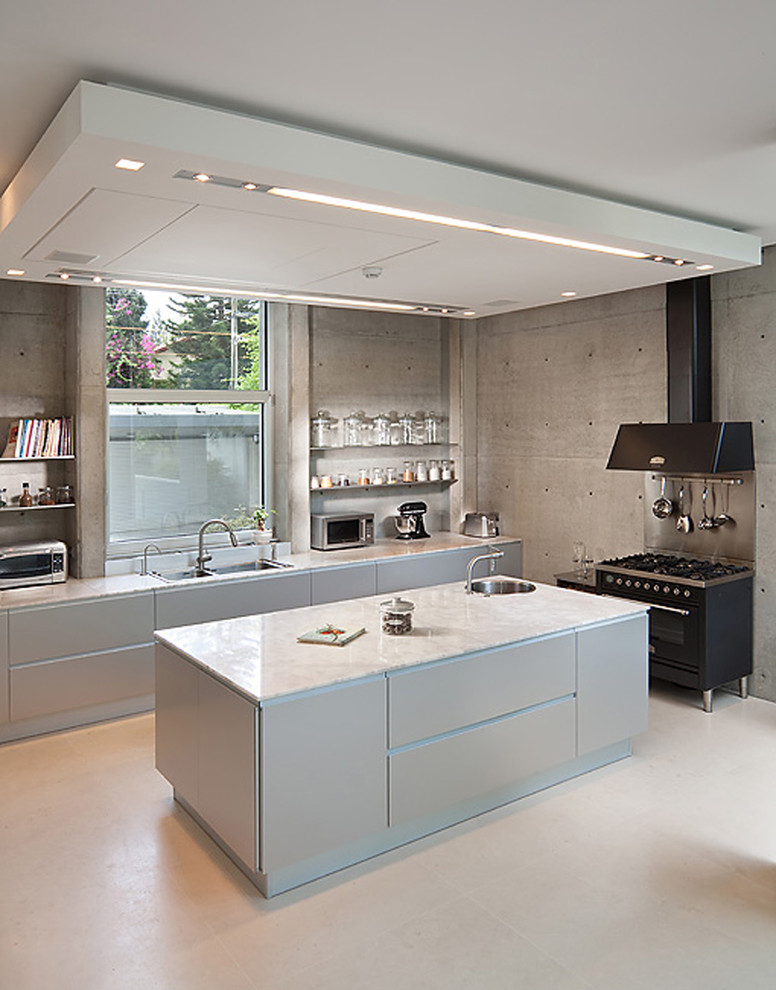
x,y
193,397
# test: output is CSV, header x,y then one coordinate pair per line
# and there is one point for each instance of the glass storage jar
x,y
352,430
64,495
381,430
396,616
433,471
46,495
408,474
322,433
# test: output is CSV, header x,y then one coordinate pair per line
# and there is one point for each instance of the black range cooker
x,y
700,627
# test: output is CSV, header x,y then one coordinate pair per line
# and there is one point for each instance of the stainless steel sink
x,y
249,567
195,573
502,586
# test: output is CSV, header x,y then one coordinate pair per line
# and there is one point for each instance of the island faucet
x,y
202,557
492,556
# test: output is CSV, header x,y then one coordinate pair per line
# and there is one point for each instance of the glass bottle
x,y
408,474
433,471
421,471
25,499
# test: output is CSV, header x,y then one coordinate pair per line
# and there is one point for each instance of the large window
x,y
187,393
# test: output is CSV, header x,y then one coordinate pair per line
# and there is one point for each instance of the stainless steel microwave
x,y
339,532
23,564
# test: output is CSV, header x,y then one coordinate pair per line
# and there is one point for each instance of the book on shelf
x,y
31,437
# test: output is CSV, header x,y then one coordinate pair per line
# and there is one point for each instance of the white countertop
x,y
260,658
75,589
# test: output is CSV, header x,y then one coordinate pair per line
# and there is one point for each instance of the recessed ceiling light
x,y
445,221
15,271
202,177
97,279
129,164
704,268
64,276
250,186
468,312
568,295
679,261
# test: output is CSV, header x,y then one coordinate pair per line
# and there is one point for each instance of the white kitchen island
x,y
302,759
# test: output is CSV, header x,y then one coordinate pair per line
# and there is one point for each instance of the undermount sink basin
x,y
249,567
502,586
195,573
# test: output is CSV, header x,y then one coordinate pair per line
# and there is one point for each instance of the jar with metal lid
x,y
378,476
432,427
363,476
406,423
46,495
390,476
64,495
396,616
421,471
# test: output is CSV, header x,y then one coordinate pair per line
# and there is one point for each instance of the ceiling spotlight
x,y
202,177
568,295
129,165
97,279
250,186
679,261
15,271
468,312
704,268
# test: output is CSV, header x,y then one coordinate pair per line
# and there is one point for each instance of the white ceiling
x,y
665,107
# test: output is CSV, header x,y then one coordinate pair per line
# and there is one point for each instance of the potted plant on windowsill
x,y
262,533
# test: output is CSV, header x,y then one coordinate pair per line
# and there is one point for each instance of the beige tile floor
x,y
658,872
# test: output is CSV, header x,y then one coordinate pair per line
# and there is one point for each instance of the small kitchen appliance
x,y
342,531
25,564
409,521
482,524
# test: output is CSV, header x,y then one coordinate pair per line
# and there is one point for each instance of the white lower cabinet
x,y
4,679
612,678
323,772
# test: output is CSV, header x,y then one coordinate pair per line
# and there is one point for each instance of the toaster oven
x,y
24,564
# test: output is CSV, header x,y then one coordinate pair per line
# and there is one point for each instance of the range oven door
x,y
675,640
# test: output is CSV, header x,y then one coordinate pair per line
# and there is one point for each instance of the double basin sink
x,y
217,570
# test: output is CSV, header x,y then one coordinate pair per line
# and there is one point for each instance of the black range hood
x,y
683,448
688,443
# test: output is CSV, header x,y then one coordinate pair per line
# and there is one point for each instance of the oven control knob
x,y
618,581
686,592
647,586
628,582
666,589
677,591
637,584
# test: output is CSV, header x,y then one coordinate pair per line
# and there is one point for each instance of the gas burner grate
x,y
684,567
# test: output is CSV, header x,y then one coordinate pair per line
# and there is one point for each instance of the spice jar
x,y
433,471
46,495
447,470
396,616
421,471
378,477
408,474
390,476
64,495
363,476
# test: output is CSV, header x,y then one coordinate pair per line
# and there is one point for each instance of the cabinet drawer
x,y
439,775
229,599
447,696
46,632
63,685
335,584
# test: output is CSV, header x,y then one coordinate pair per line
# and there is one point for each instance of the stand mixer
x,y
409,521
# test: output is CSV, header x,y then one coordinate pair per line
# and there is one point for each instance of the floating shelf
x,y
350,489
37,508
383,447
27,460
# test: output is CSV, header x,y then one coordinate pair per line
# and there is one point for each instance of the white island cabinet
x,y
303,759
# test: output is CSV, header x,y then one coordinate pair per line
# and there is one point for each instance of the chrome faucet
x,y
202,557
146,548
492,557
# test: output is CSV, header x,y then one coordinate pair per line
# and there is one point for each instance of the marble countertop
x,y
260,657
78,589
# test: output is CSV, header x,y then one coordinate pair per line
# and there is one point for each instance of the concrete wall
x,y
379,362
552,386
744,360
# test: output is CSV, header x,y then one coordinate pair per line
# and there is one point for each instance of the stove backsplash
x,y
732,497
